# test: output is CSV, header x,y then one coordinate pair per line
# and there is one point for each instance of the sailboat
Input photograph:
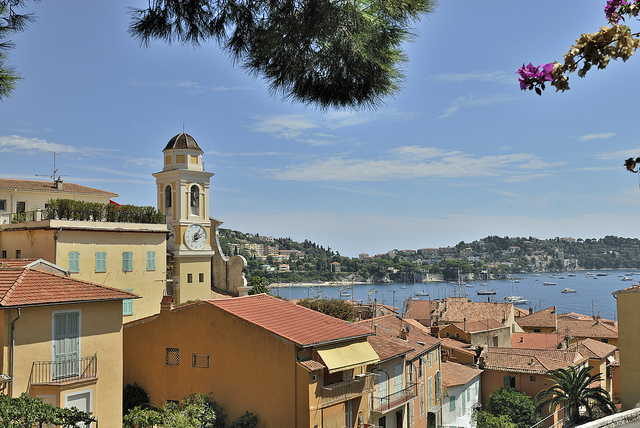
x,y
486,292
516,300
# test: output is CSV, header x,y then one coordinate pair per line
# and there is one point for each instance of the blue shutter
x,y
151,260
101,261
74,261
127,304
127,261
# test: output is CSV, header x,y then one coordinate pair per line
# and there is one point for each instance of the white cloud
x,y
408,162
601,136
495,76
15,143
189,86
283,126
472,102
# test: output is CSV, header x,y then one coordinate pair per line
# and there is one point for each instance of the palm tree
x,y
573,391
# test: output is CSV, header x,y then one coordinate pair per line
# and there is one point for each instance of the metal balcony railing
x,y
55,372
347,389
393,400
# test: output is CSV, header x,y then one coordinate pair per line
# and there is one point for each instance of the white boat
x,y
486,292
572,274
421,293
516,300
548,283
568,290
627,278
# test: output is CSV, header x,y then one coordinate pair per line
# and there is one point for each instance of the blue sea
x,y
592,297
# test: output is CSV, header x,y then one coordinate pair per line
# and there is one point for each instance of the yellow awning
x,y
345,357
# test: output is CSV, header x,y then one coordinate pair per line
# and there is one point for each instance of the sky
x,y
459,154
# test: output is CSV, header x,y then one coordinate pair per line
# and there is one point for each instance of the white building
x,y
461,394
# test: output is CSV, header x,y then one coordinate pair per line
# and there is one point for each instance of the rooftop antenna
x,y
55,170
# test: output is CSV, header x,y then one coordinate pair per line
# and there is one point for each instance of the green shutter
x,y
151,260
74,261
127,304
127,261
101,261
464,404
452,403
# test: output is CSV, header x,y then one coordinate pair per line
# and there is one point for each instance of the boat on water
x,y
486,292
568,290
572,274
548,283
421,293
516,300
627,278
403,287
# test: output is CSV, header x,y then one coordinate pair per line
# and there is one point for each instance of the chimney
x,y
530,310
464,324
58,183
166,304
403,333
435,330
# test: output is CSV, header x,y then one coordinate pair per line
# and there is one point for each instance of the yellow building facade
x,y
128,256
628,302
183,198
62,342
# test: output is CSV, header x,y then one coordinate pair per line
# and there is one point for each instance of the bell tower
x,y
183,199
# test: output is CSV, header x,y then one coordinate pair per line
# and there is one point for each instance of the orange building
x,y
289,365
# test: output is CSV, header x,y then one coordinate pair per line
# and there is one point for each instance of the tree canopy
x,y
573,389
325,53
507,408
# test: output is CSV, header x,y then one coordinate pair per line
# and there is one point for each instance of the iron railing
x,y
393,400
347,389
48,372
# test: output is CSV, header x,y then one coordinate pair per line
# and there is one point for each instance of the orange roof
x,y
457,345
303,326
50,186
594,348
544,318
391,326
534,361
388,347
536,340
457,374
596,329
15,263
421,309
21,287
481,325
457,310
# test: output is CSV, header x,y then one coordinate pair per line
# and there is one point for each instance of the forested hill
x,y
284,259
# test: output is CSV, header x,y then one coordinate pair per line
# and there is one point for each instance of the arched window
x,y
195,199
167,197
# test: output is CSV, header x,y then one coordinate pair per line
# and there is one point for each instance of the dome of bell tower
x,y
182,141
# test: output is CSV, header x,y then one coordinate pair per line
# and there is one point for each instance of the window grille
x,y
173,356
201,360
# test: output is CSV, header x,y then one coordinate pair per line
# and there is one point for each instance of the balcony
x,y
345,390
394,400
62,372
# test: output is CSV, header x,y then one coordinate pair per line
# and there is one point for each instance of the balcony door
x,y
66,344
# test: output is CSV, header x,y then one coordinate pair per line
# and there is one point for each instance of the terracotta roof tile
x,y
31,287
568,356
457,374
391,326
15,263
50,186
454,310
593,348
522,363
544,318
457,345
421,309
536,340
481,325
298,324
388,347
587,328
312,365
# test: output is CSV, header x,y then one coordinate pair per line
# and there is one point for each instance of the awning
x,y
345,357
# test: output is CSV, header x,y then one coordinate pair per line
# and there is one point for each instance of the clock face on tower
x,y
195,237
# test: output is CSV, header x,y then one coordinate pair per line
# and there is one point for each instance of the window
x,y
101,261
66,344
603,340
3,204
452,403
189,278
201,277
447,334
201,360
436,355
429,357
420,368
195,199
4,254
173,356
532,378
421,394
411,416
457,335
151,260
127,304
430,391
410,373
438,384
127,261
509,381
21,206
19,254
74,261
167,197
